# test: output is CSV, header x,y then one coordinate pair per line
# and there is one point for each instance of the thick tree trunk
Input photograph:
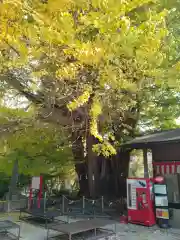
x,y
96,172
116,174
93,170
123,160
80,163
120,162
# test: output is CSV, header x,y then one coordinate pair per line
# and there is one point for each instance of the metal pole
x,y
48,234
145,161
63,204
9,206
93,204
83,207
45,198
102,204
19,233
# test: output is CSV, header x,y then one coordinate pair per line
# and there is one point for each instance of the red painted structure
x,y
163,168
140,201
165,149
36,184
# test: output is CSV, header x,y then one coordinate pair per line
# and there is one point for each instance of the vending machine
x,y
140,201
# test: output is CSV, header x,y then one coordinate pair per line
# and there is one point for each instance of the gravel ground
x,y
124,232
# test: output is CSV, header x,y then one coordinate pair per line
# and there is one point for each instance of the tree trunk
x,y
124,159
120,169
80,163
93,171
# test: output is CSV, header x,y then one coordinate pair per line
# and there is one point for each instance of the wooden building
x,y
165,148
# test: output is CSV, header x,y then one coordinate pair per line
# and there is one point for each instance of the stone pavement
x,y
124,232
134,232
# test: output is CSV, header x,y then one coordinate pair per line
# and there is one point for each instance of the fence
x,y
87,206
13,206
82,205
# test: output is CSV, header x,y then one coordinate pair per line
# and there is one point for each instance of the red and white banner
x,y
36,184
163,168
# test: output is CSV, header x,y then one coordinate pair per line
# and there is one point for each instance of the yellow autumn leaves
x,y
65,36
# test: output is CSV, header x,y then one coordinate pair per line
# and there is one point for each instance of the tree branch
x,y
16,84
57,113
13,48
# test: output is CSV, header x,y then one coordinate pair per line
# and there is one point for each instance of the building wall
x,y
166,152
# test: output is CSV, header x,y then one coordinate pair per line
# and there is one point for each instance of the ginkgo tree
x,y
80,50
39,148
38,151
78,60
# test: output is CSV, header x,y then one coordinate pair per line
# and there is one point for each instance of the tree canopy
x,y
38,146
87,64
73,71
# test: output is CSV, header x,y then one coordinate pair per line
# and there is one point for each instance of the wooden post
x,y
145,160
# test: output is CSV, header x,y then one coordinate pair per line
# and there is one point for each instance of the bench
x,y
82,227
38,213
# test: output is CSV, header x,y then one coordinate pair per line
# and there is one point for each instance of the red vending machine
x,y
140,201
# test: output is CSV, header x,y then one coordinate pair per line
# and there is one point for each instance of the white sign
x,y
35,183
161,201
160,189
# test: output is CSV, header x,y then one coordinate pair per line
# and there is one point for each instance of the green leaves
x,y
39,147
97,57
39,150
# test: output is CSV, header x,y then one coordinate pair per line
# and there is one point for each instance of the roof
x,y
169,136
